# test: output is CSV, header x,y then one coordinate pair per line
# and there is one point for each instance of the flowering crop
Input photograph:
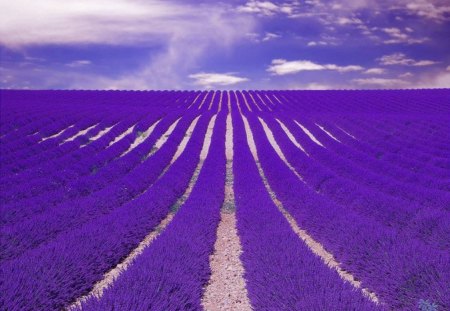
x,y
340,200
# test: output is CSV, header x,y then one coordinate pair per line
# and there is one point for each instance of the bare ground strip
x,y
112,275
312,244
226,289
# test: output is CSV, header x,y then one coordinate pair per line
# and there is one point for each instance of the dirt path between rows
x,y
226,288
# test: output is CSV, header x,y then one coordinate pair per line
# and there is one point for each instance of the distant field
x,y
225,200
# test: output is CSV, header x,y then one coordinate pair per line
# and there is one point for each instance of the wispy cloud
x,y
313,86
270,36
283,67
316,43
402,59
268,8
375,71
436,10
209,80
383,82
109,22
398,36
79,63
177,29
349,21
159,44
405,75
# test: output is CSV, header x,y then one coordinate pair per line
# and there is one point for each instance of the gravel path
x,y
226,288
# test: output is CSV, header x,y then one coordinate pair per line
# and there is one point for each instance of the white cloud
x,y
349,21
424,63
435,10
448,68
395,59
383,82
375,71
318,86
343,68
313,86
267,8
439,79
434,79
402,59
209,80
261,37
284,67
397,36
116,22
183,34
79,63
316,43
405,75
395,32
270,36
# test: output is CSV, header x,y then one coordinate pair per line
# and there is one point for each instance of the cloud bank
x,y
209,80
283,67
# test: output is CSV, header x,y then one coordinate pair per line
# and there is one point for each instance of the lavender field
x,y
225,200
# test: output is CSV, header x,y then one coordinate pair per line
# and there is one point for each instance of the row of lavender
x,y
348,201
370,214
51,230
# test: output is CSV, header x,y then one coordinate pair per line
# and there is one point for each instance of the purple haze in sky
x,y
135,44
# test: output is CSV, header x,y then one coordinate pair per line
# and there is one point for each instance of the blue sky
x,y
147,44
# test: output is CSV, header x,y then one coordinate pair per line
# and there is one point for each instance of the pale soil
x,y
291,137
328,133
226,287
246,102
276,147
268,98
163,139
254,102
238,104
80,133
347,133
181,146
310,135
127,132
57,134
112,275
141,138
185,140
204,99
264,103
277,98
212,100
313,245
99,135
220,102
194,101
35,133
229,102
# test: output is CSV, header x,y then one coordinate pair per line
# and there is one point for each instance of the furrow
x,y
226,289
111,276
140,137
80,133
310,135
313,245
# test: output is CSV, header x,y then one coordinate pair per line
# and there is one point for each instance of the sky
x,y
149,44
